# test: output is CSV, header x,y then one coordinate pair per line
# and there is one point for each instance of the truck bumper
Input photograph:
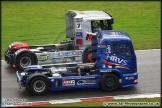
x,y
129,80
19,80
7,58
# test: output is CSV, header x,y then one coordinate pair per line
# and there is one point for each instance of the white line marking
x,y
64,101
136,96
148,50
133,96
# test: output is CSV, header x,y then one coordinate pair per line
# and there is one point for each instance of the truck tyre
x,y
39,86
109,82
24,60
86,56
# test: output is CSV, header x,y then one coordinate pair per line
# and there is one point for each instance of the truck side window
x,y
99,25
105,25
95,26
122,50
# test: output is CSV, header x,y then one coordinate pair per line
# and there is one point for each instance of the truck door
x,y
123,56
118,55
93,26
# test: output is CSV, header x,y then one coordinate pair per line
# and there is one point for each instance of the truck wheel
x,y
86,57
39,86
24,60
109,82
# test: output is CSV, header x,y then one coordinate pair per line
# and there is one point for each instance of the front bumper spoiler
x,y
130,79
7,58
19,81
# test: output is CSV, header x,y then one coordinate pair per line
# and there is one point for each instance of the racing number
x,y
108,49
78,25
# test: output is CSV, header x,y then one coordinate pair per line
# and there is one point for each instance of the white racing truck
x,y
80,26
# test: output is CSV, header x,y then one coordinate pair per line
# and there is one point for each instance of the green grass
x,y
155,101
44,22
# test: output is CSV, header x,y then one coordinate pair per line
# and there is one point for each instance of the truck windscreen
x,y
122,49
100,25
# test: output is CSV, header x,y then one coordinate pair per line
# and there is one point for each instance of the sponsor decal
x,y
67,53
105,70
117,59
79,42
135,81
54,54
84,82
43,57
129,78
114,33
80,77
79,52
77,58
102,46
115,65
79,35
35,67
66,60
68,82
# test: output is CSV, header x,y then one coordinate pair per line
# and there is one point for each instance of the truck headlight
x,y
22,74
103,66
56,75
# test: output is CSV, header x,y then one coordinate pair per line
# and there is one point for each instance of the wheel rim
x,y
110,82
89,57
25,61
39,86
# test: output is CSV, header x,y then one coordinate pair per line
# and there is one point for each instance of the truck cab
x,y
81,23
115,54
116,50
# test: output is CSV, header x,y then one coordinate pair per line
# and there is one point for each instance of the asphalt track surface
x,y
149,71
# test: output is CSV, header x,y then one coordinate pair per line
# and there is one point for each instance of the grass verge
x,y
44,22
